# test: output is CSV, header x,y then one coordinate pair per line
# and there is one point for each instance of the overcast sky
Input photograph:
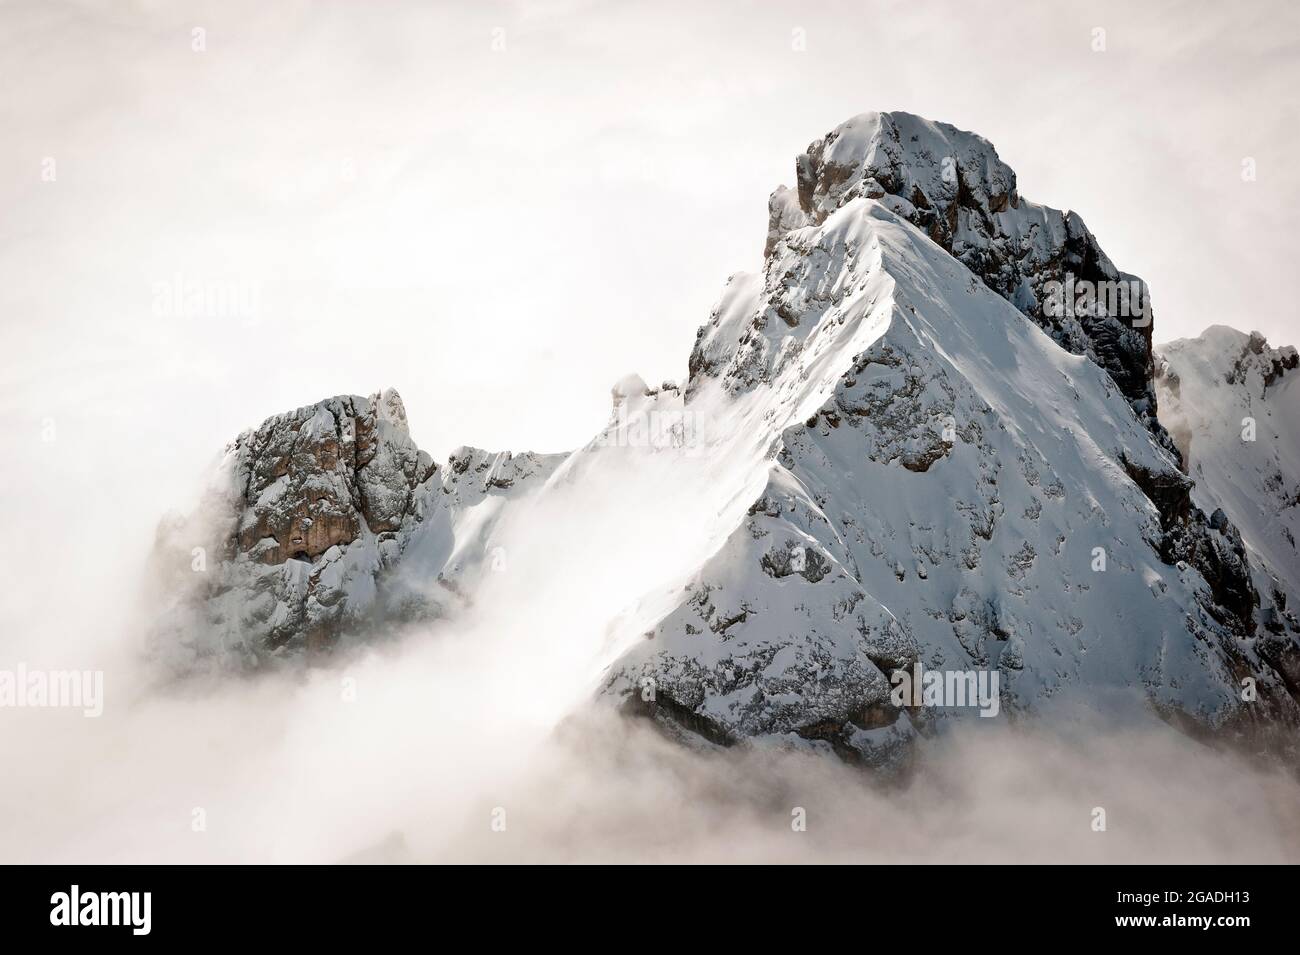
x,y
500,209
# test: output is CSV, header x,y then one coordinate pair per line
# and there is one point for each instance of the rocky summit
x,y
308,519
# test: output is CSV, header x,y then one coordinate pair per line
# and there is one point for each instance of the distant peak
x,y
1230,355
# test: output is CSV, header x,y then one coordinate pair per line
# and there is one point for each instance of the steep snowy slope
x,y
1233,404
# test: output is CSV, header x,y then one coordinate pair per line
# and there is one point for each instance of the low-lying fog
x,y
472,745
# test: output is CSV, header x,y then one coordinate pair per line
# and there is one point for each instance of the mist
x,y
418,769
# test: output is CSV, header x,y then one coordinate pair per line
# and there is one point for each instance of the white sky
x,y
502,234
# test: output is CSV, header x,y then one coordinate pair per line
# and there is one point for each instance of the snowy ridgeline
x,y
900,448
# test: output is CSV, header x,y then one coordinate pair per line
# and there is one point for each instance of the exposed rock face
x,y
324,520
1212,545
313,477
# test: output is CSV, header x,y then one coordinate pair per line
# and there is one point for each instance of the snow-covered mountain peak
x,y
923,433
953,186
